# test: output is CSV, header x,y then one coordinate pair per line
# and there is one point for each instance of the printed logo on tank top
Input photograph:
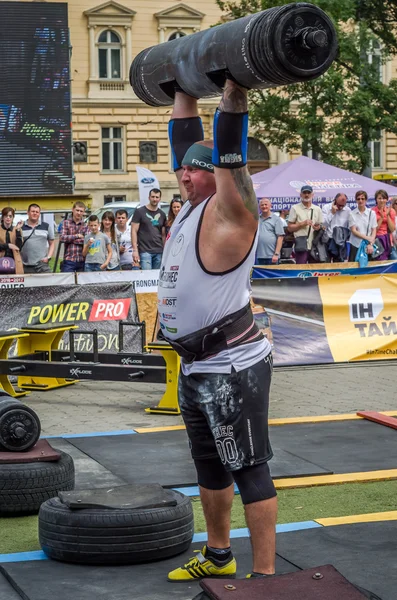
x,y
168,279
178,245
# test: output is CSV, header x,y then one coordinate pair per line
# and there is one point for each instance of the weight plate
x,y
298,28
19,429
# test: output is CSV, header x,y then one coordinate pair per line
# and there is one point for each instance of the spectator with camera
x,y
304,219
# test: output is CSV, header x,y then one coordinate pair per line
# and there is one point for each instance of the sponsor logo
x,y
202,164
101,310
172,329
131,361
168,279
147,180
307,274
168,316
231,158
365,305
174,268
178,244
162,325
168,301
110,310
77,371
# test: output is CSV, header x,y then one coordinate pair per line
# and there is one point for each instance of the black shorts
x,y
227,414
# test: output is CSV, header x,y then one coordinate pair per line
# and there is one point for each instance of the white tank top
x,y
191,298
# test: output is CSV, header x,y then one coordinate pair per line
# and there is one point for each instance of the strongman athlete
x,y
205,314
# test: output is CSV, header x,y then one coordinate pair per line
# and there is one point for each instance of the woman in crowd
x,y
175,207
386,222
10,243
394,234
362,224
108,227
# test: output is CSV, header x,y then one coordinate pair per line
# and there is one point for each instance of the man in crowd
x,y
38,242
205,314
148,232
123,233
72,235
362,224
271,234
304,219
336,215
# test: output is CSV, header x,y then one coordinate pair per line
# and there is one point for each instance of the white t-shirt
x,y
124,239
364,222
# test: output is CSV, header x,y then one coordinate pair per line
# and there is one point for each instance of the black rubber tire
x,y
25,486
100,536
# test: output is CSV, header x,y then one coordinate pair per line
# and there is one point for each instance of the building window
x,y
176,35
109,55
111,199
375,58
376,151
112,149
258,156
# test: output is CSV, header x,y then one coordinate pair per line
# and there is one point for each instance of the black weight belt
x,y
233,330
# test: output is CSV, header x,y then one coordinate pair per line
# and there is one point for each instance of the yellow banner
x,y
360,316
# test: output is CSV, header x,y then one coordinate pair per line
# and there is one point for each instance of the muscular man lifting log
x,y
205,314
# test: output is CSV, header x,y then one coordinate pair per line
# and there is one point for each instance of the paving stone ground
x,y
109,406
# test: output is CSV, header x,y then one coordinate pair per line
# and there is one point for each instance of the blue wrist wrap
x,y
230,140
182,134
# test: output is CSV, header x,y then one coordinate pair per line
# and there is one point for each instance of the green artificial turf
x,y
306,504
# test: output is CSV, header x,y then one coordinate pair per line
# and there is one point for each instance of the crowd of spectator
x,y
308,234
89,244
304,234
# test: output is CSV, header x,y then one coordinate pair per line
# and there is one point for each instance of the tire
x,y
100,536
25,486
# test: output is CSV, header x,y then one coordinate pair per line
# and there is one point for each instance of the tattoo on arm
x,y
243,183
234,99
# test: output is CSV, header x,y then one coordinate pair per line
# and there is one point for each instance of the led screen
x,y
35,111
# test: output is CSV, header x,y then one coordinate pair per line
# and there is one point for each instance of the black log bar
x,y
279,46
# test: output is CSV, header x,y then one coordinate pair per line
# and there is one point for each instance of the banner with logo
x,y
145,286
9,282
321,320
146,181
360,317
91,306
329,270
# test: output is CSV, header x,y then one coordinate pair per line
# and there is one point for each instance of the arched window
x,y
176,35
109,51
258,156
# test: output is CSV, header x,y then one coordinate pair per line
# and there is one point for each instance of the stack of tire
x,y
24,485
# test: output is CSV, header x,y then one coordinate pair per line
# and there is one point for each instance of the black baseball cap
x,y
306,188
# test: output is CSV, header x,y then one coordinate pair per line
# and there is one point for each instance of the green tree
x,y
338,114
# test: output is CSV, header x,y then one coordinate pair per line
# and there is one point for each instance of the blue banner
x,y
278,273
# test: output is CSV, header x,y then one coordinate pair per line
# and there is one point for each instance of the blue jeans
x,y
150,261
70,266
266,261
89,267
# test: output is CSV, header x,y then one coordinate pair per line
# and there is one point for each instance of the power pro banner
x,y
90,306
